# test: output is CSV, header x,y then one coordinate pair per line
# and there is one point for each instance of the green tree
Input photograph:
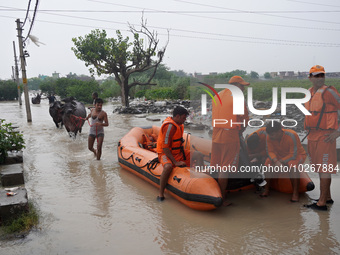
x,y
267,75
34,83
120,57
48,86
82,90
8,90
109,88
238,72
254,75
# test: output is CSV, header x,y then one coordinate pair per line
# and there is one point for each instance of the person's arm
x,y
88,116
168,153
333,97
106,122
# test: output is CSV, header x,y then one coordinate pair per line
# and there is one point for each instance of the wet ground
x,y
96,207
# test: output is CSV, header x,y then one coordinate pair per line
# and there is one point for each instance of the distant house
x,y
55,75
273,74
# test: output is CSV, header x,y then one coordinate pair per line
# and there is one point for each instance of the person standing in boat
x,y
98,121
225,149
171,152
323,130
284,148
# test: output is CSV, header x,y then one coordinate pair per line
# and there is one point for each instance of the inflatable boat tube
x,y
196,190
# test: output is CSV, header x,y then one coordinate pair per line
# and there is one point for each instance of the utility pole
x,y
16,74
23,71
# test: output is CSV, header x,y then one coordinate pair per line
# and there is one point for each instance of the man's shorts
x,y
98,135
320,152
163,159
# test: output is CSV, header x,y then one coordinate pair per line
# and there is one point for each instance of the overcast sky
x,y
204,36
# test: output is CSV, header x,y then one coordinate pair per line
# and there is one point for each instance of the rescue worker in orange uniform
x,y
284,148
256,145
170,147
323,130
226,137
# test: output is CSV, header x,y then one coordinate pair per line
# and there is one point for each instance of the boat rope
x,y
150,165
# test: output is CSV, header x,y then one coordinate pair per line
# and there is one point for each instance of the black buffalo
x,y
56,112
36,99
74,114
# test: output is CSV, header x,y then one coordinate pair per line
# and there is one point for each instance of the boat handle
x,y
177,179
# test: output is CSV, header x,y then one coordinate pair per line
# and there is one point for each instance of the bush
x,y
161,93
82,90
109,88
8,90
9,140
141,93
48,86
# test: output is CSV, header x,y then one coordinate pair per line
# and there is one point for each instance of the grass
x,y
21,224
262,90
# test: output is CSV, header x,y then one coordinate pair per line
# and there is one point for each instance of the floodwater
x,y
96,207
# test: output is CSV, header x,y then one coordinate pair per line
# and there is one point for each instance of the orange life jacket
x,y
177,139
225,112
147,143
324,115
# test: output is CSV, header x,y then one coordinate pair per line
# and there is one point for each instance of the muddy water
x,y
96,207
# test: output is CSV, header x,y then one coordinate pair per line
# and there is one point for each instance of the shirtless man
x,y
98,121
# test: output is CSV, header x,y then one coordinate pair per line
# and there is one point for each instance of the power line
x,y
187,14
256,40
319,4
168,11
197,32
27,12
223,19
34,14
285,17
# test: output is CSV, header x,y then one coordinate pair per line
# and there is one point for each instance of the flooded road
x,y
96,207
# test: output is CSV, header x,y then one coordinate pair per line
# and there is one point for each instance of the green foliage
x,y
262,90
254,75
267,75
34,83
22,223
141,93
109,88
181,86
9,140
81,90
161,93
48,86
8,90
98,50
120,57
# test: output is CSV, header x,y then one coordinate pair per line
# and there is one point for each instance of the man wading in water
x,y
98,122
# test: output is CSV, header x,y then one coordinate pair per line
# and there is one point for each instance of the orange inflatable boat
x,y
197,190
